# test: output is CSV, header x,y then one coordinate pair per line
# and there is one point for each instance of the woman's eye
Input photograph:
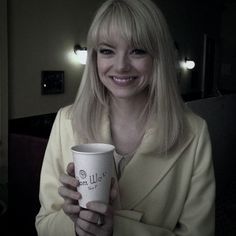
x,y
138,52
105,51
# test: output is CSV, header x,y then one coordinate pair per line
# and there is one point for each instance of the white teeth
x,y
126,79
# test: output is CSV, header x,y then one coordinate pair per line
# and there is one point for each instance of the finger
x,y
99,207
112,183
71,201
88,227
113,195
114,190
68,193
89,216
71,169
69,181
81,232
71,208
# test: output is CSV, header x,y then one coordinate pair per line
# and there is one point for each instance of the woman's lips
x,y
123,80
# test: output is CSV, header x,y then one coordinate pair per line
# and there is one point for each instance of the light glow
x,y
187,64
82,56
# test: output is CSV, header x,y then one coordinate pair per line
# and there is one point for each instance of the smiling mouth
x,y
124,80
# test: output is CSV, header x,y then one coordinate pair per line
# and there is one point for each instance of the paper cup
x,y
93,168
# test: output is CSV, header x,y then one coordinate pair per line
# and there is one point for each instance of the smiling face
x,y
123,69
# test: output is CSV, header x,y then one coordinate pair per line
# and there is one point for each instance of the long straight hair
x,y
141,24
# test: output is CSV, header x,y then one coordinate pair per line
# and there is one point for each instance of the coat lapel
x,y
146,170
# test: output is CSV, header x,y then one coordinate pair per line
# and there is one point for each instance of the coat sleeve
x,y
51,220
198,215
126,224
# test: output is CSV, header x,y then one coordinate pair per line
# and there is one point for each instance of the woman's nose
x,y
122,63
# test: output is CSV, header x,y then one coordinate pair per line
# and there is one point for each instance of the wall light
x,y
188,64
81,53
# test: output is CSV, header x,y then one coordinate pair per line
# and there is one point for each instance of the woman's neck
x,y
128,122
128,110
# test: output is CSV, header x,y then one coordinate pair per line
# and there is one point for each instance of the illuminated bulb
x,y
81,54
189,64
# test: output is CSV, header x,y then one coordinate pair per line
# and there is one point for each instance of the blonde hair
x,y
143,25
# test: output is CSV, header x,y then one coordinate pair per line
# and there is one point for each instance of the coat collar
x,y
145,171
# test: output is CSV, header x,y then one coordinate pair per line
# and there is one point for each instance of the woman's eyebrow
x,y
106,44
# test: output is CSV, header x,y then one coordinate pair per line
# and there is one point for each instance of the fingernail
x,y
78,195
88,205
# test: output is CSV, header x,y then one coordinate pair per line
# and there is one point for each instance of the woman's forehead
x,y
114,35
112,31
113,39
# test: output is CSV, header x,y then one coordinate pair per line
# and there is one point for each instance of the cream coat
x,y
160,195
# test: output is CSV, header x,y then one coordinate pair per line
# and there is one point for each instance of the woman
x,y
128,97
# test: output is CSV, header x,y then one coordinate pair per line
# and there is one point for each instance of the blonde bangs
x,y
119,19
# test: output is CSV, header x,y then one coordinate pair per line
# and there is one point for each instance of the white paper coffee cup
x,y
93,168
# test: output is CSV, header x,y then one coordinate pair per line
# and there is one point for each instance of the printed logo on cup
x,y
93,180
82,174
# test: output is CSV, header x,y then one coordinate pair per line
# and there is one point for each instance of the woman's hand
x,y
97,219
68,191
